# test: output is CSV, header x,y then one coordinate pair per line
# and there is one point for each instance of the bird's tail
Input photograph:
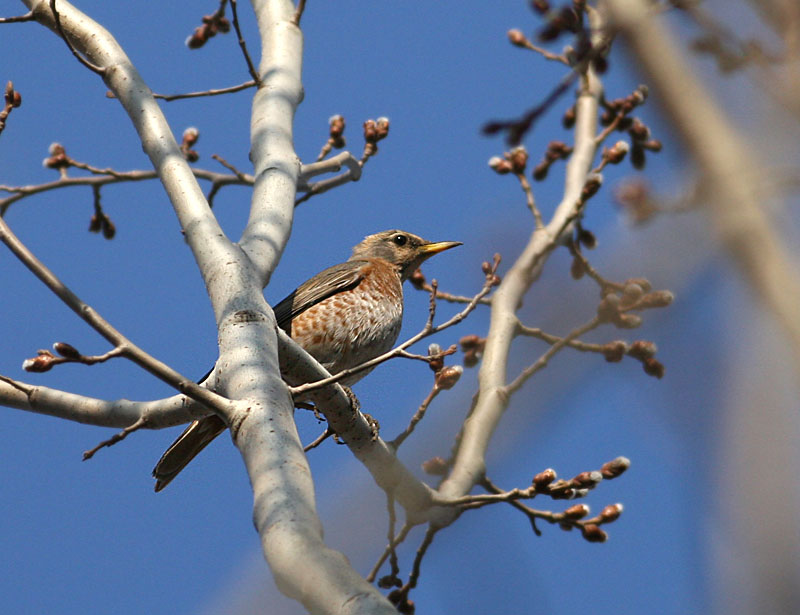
x,y
193,440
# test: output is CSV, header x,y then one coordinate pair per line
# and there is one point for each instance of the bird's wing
x,y
327,283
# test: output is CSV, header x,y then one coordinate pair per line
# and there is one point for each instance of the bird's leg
x,y
356,406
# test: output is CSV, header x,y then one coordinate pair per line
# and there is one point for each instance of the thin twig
x,y
301,7
319,439
418,416
401,536
57,18
421,551
211,92
250,68
139,424
26,17
545,358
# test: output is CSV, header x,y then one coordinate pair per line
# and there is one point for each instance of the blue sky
x,y
91,537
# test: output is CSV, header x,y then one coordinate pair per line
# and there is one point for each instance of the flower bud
x,y
611,512
579,511
593,533
447,377
66,350
544,478
615,467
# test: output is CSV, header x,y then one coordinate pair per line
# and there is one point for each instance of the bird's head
x,y
405,250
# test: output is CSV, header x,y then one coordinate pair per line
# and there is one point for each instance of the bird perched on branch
x,y
343,316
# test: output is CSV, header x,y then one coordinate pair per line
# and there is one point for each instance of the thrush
x,y
343,316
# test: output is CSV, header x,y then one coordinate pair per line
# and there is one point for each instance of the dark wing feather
x,y
327,283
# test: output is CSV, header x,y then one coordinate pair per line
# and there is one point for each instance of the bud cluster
x,y
556,150
13,99
514,162
45,360
374,131
212,24
445,377
472,346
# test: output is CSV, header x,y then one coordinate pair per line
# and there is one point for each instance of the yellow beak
x,y
429,249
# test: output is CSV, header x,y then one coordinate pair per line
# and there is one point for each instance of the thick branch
x,y
492,400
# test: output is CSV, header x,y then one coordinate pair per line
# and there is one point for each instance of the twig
x,y
319,439
211,92
239,175
251,69
121,344
401,536
26,17
20,192
402,594
526,188
139,424
418,416
301,7
57,18
545,358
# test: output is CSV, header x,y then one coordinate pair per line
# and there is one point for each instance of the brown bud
x,y
653,367
109,230
578,511
654,145
382,127
388,581
66,350
638,130
500,166
615,467
592,185
448,376
616,153
469,341
614,351
518,157
543,479
190,136
517,38
95,224
587,480
638,158
642,349
587,238
38,364
611,512
337,125
223,25
436,466
540,170
568,120
593,533
16,99
540,6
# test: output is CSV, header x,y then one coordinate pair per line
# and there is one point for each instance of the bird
x,y
343,316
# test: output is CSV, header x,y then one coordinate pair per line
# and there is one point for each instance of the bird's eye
x,y
400,240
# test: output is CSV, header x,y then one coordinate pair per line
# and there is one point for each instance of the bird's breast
x,y
354,325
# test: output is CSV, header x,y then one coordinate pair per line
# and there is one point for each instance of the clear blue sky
x,y
92,537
